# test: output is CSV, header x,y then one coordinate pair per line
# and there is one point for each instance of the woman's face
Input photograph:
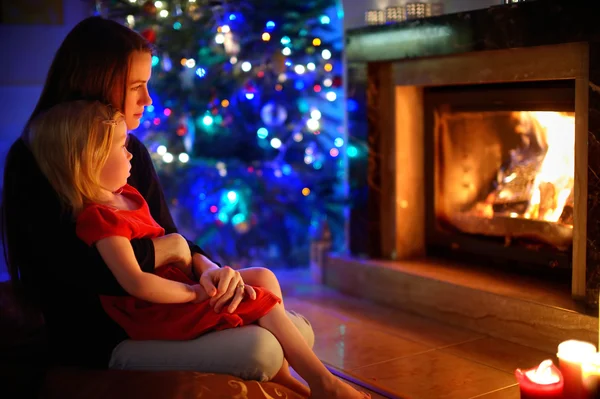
x,y
137,96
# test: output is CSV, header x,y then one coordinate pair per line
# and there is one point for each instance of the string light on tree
x,y
168,157
299,69
275,143
262,133
313,124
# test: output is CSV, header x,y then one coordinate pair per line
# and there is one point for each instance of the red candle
x,y
571,355
542,382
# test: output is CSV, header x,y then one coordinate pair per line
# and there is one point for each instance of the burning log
x,y
566,217
548,200
555,234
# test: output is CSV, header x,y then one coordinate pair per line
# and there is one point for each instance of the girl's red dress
x,y
144,320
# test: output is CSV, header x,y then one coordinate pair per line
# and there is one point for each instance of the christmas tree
x,y
246,126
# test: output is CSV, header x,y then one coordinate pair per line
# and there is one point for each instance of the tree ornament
x,y
194,11
278,62
190,132
231,46
181,129
149,8
149,34
167,64
242,227
273,115
336,81
249,88
187,77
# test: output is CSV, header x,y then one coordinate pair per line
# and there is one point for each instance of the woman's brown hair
x,y
91,64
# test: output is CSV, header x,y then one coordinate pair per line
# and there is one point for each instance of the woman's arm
x,y
173,249
118,254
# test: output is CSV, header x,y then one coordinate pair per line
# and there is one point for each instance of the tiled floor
x,y
403,354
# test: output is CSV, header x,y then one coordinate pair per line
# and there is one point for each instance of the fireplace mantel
x,y
528,24
532,41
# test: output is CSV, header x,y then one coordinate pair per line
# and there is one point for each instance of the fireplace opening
x,y
499,167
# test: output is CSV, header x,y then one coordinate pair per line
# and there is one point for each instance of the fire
x,y
540,171
553,184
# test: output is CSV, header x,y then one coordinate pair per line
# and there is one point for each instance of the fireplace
x,y
483,135
463,149
499,173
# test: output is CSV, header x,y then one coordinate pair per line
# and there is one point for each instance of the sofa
x,y
25,370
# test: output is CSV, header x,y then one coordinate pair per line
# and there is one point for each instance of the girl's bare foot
x,y
284,377
337,389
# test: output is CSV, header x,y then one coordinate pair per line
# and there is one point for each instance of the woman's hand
x,y
225,287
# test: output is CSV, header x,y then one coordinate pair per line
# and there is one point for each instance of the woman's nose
x,y
147,99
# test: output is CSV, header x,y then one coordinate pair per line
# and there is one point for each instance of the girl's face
x,y
137,96
115,172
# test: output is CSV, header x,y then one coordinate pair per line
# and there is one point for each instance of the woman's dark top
x,y
60,272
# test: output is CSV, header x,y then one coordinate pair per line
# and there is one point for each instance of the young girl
x,y
81,148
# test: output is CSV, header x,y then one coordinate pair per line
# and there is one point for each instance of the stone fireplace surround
x,y
532,41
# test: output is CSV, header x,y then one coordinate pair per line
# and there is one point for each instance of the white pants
x,y
249,352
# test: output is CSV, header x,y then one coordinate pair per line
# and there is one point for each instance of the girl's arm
x,y
120,259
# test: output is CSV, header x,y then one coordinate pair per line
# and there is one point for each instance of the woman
x,y
105,61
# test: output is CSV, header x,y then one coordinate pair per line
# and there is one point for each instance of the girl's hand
x,y
201,294
231,288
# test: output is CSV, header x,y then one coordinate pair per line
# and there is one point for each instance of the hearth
x,y
499,172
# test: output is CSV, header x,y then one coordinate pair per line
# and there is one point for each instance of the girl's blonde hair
x,y
71,143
